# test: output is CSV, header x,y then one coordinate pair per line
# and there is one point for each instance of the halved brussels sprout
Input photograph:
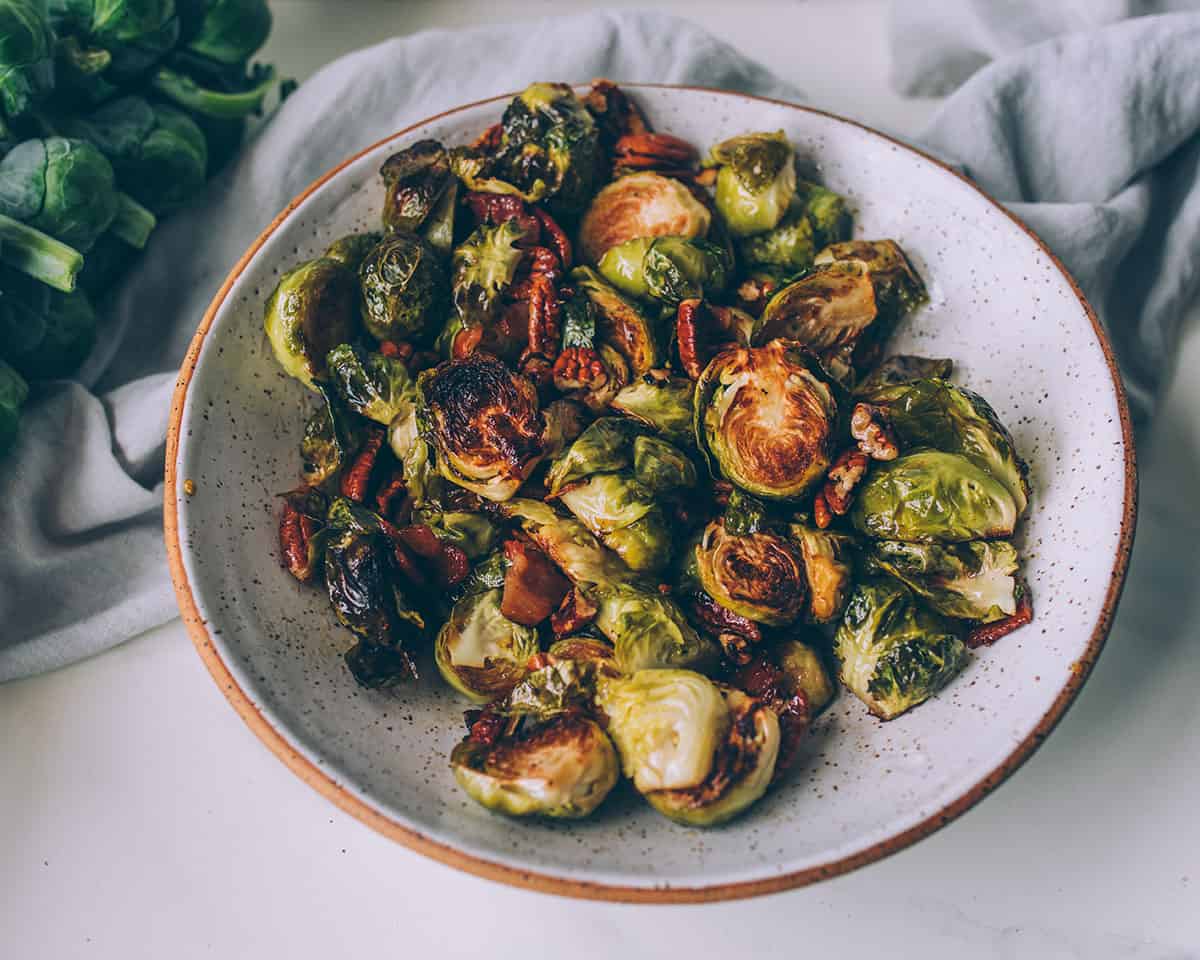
x,y
898,287
620,322
606,445
933,496
622,266
676,269
667,725
827,570
758,576
825,310
480,652
484,266
587,649
648,630
566,683
662,403
894,651
605,502
372,385
660,467
646,545
640,205
814,218
765,417
485,423
564,767
756,181
804,672
972,581
941,416
416,178
903,368
311,311
403,288
352,249
741,771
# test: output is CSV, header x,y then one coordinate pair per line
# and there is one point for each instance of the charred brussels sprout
x,y
894,652
640,205
933,496
479,651
741,770
827,570
804,672
896,283
418,180
485,424
620,322
13,393
310,312
756,181
403,286
662,403
938,415
351,250
26,58
765,418
484,267
565,420
372,385
972,581
230,31
758,575
567,542
329,441
564,767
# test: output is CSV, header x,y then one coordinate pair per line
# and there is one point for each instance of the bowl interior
x,y
1001,308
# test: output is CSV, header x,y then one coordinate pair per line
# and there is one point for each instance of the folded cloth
x,y
83,566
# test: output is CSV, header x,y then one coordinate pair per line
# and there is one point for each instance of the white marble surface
x,y
140,818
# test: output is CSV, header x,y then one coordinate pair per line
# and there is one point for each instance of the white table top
x,y
140,818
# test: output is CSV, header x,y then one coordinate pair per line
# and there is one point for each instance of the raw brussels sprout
x,y
473,533
484,267
351,250
329,440
804,672
765,418
640,205
662,403
549,149
480,652
13,393
230,31
485,424
26,58
622,266
936,414
827,570
158,153
758,576
403,288
44,334
667,725
648,630
372,385
311,311
620,322
564,767
675,269
933,496
756,181
660,467
903,368
742,768
893,651
972,581
606,445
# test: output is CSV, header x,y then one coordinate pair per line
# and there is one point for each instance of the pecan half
x,y
845,474
388,493
296,530
555,237
357,479
489,140
722,620
822,516
543,318
653,151
579,368
695,328
869,426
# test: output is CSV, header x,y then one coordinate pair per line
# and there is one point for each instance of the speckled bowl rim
x,y
329,787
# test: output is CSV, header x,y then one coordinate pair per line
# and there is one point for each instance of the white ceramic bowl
x,y
1002,307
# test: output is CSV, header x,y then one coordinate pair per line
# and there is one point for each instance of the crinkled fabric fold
x,y
84,565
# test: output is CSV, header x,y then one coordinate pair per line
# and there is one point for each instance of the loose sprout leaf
x,y
972,581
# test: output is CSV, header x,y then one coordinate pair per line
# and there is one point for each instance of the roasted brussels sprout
x,y
45,334
972,581
903,368
352,249
485,424
933,496
675,269
479,651
605,502
756,181
662,403
667,725
329,440
804,672
640,205
893,651
759,576
744,514
827,570
741,769
158,153
660,467
620,322
938,415
897,286
606,445
484,267
548,150
567,542
26,58
646,545
564,423
403,287
622,266
421,192
585,649
648,630
814,218
564,767
473,533
372,385
230,31
765,418
311,311
13,393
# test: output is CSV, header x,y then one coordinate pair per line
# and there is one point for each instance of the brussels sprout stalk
x,y
187,93
39,255
133,222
